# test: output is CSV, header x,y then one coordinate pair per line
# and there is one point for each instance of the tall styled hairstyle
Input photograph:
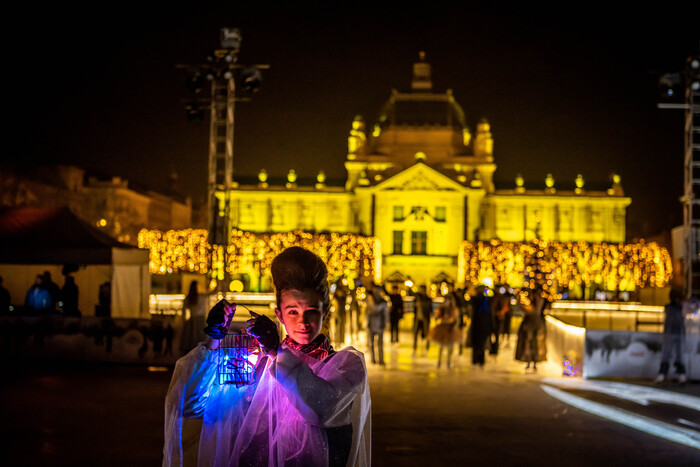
x,y
300,269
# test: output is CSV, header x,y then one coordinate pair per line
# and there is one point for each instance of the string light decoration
x,y
176,250
344,254
565,265
188,251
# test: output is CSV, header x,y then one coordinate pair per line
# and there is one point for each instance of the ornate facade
x,y
421,181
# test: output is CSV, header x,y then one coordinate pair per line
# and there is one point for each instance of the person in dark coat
x,y
69,297
421,320
499,309
396,313
480,328
53,289
507,319
674,338
377,314
4,299
340,296
532,343
38,298
105,300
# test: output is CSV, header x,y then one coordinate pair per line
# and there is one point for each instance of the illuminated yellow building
x,y
421,181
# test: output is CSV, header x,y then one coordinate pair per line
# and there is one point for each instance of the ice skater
x,y
446,331
674,338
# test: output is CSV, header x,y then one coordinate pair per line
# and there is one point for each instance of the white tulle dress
x,y
294,415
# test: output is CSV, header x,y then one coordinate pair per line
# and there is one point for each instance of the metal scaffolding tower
x,y
223,71
691,195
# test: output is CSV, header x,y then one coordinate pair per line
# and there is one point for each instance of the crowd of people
x,y
477,317
46,297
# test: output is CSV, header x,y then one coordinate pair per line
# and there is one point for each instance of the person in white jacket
x,y
308,406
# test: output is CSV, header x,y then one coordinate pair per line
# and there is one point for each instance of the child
x,y
309,406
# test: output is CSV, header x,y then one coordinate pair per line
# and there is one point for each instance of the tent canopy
x,y
30,235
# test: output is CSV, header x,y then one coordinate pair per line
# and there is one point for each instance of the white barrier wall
x,y
620,354
565,341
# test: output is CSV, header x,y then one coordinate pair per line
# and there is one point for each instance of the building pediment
x,y
419,177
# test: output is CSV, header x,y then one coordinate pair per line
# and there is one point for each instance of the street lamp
x,y
221,75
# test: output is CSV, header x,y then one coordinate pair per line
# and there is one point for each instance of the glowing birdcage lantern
x,y
239,355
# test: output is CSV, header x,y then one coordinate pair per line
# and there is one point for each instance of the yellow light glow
x,y
250,253
556,265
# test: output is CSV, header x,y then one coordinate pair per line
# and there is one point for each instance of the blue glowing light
x,y
239,355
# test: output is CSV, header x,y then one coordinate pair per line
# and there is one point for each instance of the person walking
x,y
532,337
500,308
507,319
674,338
480,327
446,331
377,314
396,312
193,318
421,320
340,296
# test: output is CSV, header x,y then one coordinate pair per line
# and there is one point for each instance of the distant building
x,y
421,180
112,205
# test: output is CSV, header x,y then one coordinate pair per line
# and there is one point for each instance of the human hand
x,y
219,319
265,331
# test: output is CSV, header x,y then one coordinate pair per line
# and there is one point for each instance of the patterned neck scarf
x,y
319,348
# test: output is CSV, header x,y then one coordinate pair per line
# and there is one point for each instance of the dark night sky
x,y
566,92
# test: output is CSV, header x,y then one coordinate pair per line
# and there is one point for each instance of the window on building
x,y
440,213
398,242
277,215
335,217
419,242
398,213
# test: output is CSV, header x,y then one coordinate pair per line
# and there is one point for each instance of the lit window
x,y
398,242
398,213
419,242
440,213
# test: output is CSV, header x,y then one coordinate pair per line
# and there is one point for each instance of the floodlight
x,y
231,38
250,79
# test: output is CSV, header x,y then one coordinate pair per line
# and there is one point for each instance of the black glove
x,y
217,321
265,331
